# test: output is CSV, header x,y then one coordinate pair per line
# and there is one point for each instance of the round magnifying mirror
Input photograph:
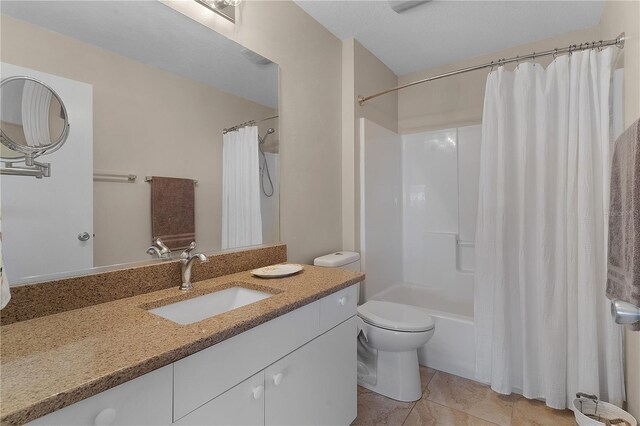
x,y
33,119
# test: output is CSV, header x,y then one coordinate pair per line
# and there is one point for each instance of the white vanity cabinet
x,y
297,369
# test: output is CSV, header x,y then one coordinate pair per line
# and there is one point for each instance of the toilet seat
x,y
395,316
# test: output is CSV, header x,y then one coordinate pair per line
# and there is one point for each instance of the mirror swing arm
x,y
37,170
32,167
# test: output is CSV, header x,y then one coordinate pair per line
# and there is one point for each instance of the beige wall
x,y
310,110
624,16
146,121
363,73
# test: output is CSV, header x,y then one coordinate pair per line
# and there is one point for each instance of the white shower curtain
x,y
241,216
541,316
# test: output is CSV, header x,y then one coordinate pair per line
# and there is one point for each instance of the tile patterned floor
x,y
449,400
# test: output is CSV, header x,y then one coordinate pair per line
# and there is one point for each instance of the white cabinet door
x,y
142,401
240,405
315,385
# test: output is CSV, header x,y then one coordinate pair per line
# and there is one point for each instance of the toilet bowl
x,y
389,335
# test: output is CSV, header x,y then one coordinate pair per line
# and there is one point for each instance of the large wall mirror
x,y
172,133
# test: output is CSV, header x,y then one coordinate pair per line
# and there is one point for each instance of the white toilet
x,y
389,335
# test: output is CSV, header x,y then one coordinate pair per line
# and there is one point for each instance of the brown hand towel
x,y
173,211
623,274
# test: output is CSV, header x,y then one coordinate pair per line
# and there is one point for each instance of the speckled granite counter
x,y
53,361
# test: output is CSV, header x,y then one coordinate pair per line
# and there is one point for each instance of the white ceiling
x,y
157,35
442,32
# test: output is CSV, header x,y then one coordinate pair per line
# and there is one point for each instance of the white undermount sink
x,y
209,305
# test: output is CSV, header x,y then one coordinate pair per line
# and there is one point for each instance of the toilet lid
x,y
395,316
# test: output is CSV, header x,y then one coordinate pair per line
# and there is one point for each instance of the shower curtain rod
x,y
618,41
247,123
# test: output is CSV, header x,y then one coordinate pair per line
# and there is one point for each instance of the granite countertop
x,y
53,361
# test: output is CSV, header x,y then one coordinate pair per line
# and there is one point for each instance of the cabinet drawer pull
x,y
258,391
342,301
105,417
277,379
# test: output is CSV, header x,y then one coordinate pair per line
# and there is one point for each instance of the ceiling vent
x,y
403,6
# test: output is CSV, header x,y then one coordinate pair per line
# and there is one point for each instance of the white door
x,y
316,384
41,218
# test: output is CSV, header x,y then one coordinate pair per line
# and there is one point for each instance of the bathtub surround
x,y
542,319
418,230
53,297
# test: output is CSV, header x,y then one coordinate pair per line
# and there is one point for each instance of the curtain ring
x,y
555,53
491,67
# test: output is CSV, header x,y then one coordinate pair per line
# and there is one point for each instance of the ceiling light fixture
x,y
224,8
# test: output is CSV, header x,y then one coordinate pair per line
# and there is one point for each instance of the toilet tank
x,y
342,259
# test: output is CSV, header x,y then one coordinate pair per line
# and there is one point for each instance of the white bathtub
x,y
452,347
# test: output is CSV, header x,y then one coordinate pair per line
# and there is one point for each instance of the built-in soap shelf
x,y
465,256
447,257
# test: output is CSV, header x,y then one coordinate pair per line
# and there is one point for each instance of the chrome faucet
x,y
159,249
186,260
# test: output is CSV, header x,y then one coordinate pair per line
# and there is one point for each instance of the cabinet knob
x,y
105,417
342,301
258,391
277,379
